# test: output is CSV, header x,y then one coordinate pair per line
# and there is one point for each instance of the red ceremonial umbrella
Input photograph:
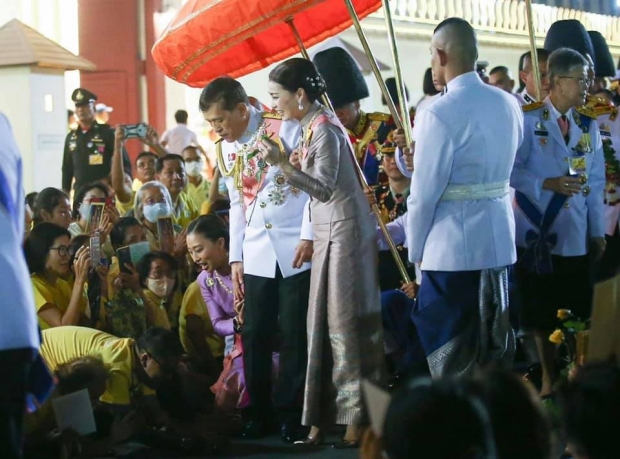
x,y
211,38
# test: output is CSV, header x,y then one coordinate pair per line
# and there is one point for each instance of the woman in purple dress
x,y
207,242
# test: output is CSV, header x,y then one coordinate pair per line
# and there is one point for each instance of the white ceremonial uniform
x,y
542,156
609,128
268,232
18,326
459,215
524,97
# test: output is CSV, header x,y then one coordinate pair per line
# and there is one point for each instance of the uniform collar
x,y
256,118
464,80
360,127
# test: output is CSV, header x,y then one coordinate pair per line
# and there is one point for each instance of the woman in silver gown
x,y
345,339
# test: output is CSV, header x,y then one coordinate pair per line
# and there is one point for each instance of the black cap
x,y
83,96
344,80
569,33
604,62
391,86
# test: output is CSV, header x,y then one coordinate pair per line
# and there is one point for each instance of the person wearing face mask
x,y
47,256
158,277
120,180
52,205
170,171
81,215
152,202
197,186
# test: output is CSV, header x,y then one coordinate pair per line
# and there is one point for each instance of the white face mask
x,y
85,211
194,168
153,212
160,287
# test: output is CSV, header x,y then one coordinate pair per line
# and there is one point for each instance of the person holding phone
x,y
48,258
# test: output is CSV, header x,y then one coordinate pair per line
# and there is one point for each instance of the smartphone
x,y
95,250
96,214
165,230
124,258
134,131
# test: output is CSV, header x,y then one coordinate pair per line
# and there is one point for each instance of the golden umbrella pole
x,y
533,49
400,84
374,66
375,208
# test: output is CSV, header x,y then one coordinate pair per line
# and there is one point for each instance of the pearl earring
x,y
300,106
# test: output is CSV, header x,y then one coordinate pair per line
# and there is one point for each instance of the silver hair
x,y
138,203
562,62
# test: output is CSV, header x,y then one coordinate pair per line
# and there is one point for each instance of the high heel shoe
x,y
347,444
311,441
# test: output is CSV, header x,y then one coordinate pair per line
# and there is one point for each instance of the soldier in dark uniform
x,y
346,87
89,147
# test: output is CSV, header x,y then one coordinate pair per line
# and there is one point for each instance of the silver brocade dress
x,y
345,335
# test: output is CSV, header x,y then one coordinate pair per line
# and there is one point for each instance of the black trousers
x,y
610,262
276,307
14,382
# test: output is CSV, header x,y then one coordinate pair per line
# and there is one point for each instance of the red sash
x,y
252,185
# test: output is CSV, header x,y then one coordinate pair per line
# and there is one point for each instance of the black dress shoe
x,y
395,381
290,432
346,444
255,429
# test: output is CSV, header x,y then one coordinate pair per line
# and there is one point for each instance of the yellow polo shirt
x,y
194,303
185,211
64,344
199,194
164,318
58,295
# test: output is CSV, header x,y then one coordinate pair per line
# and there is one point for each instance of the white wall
x,y
15,103
48,128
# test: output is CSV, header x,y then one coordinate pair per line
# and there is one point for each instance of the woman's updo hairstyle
x,y
296,73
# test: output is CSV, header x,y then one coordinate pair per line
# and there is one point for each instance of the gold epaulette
x,y
600,106
532,106
586,111
378,116
272,115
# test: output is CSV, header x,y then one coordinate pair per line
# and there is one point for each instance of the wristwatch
x,y
237,327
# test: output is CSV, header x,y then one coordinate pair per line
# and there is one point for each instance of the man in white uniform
x,y
19,338
460,223
270,247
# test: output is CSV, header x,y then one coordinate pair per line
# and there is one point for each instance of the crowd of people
x,y
178,299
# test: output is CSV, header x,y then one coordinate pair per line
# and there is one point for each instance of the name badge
x,y
95,160
606,133
541,133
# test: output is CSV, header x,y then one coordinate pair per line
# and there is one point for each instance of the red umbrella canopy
x,y
211,38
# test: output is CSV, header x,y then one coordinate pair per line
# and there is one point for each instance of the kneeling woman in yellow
x,y
136,367
48,257
158,277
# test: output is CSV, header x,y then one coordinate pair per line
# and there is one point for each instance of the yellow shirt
x,y
136,184
64,344
45,293
124,207
193,303
164,318
185,211
199,194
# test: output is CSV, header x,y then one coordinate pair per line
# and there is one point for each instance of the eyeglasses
x,y
585,82
63,250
